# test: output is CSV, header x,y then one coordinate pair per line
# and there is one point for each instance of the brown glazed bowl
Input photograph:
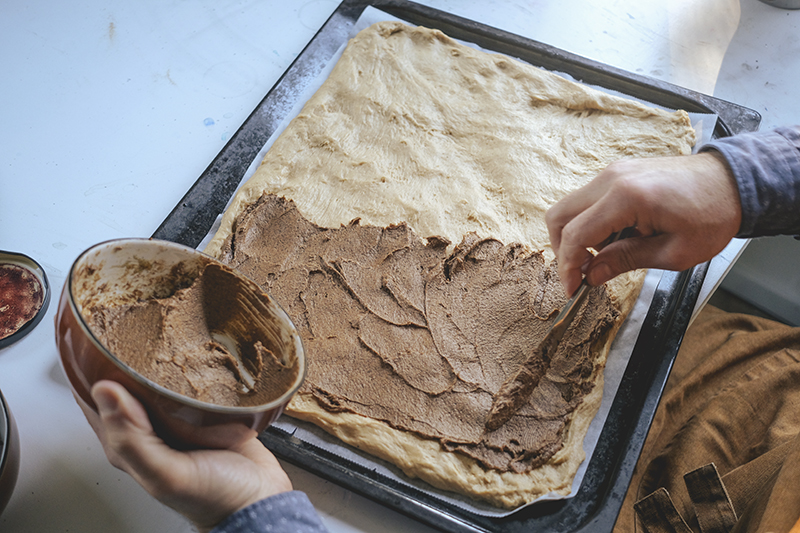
x,y
128,270
9,453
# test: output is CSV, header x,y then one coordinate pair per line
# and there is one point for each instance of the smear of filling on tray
x,y
398,329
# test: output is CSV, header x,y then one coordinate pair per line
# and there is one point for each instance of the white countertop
x,y
112,109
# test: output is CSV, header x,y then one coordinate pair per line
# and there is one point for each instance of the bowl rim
x,y
191,402
5,433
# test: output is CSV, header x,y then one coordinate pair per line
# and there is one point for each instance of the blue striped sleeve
x,y
766,166
288,512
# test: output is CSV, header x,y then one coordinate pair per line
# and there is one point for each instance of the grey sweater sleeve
x,y
288,512
766,166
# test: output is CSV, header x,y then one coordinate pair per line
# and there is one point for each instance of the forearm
x,y
766,166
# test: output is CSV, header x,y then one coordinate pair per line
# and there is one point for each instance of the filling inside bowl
x,y
206,336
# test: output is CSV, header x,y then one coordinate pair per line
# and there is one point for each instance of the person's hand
x,y
685,210
203,485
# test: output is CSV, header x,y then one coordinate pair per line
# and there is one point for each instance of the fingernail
x,y
106,403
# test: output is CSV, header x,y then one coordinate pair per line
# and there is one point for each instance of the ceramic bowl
x,y
128,270
9,453
783,4
33,271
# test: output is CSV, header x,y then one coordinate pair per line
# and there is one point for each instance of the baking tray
x,y
596,505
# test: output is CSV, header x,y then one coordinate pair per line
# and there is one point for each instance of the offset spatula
x,y
518,388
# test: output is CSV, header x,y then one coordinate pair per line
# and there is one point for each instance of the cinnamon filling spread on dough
x,y
181,341
400,329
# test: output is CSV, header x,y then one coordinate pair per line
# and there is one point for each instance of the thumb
x,y
128,437
119,411
626,255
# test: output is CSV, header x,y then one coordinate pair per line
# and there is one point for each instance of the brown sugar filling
x,y
174,341
400,329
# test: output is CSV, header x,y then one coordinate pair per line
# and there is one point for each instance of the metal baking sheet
x,y
596,505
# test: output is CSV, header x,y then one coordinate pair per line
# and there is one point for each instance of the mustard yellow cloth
x,y
723,453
